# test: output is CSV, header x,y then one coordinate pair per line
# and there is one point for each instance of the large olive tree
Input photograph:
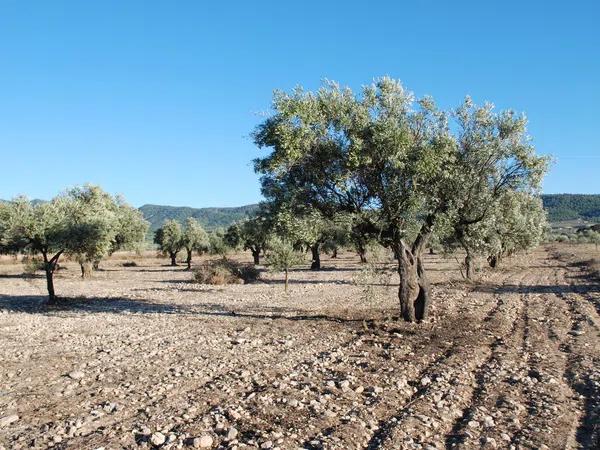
x,y
387,155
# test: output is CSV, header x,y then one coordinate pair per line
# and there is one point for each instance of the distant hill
x,y
562,207
210,218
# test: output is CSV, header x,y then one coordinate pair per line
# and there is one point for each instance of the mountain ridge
x,y
560,207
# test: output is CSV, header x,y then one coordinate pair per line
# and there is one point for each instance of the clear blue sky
x,y
156,99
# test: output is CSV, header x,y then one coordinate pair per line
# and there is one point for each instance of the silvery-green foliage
x,y
131,228
218,244
384,152
169,237
399,160
303,228
282,255
249,234
194,237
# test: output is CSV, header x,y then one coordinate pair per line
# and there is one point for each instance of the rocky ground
x,y
141,358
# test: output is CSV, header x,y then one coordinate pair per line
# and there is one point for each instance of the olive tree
x,y
131,227
251,234
518,224
194,239
61,226
306,228
119,226
169,239
95,209
218,244
282,256
385,154
494,159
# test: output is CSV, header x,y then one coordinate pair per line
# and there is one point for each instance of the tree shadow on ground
x,y
538,289
37,304
24,276
276,281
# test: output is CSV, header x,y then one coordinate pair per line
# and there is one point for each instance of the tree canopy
x,y
399,162
82,222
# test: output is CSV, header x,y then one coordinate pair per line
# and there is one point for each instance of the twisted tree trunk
x,y
469,260
173,256
414,292
86,269
188,259
316,257
494,260
49,268
256,256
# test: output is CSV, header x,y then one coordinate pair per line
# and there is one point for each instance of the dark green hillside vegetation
x,y
209,218
561,207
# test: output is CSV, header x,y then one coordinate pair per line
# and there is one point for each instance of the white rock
x,y
204,441
76,375
158,438
232,433
7,420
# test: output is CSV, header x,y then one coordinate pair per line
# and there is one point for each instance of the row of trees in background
x,y
341,170
171,238
84,223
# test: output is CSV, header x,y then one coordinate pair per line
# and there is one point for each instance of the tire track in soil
x,y
454,363
494,398
583,361
384,364
548,387
486,385
390,400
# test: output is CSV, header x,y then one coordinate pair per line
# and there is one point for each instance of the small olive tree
x,y
169,239
194,239
282,256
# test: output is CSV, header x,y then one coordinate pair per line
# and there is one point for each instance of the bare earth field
x,y
139,357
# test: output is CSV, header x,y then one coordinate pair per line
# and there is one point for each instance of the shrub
x,y
225,271
129,264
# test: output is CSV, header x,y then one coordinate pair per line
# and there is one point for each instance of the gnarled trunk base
x,y
86,270
414,292
256,256
316,257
